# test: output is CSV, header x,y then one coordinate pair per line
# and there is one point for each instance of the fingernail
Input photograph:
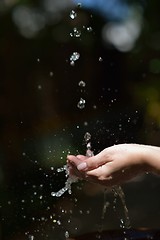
x,y
82,166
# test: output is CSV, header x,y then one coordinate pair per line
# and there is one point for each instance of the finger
x,y
84,163
82,157
101,173
73,171
78,161
73,159
93,162
106,175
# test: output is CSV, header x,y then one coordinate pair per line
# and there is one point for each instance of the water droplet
x,y
62,169
81,103
31,237
82,84
89,145
72,63
89,29
98,236
85,123
79,5
59,222
76,33
66,234
87,137
51,74
75,56
39,87
73,15
53,194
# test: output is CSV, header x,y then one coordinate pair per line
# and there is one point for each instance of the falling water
x,y
117,190
87,139
106,204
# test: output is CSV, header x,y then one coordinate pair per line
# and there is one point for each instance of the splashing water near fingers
x,y
68,183
72,179
87,139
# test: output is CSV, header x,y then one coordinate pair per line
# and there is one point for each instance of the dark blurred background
x,y
48,50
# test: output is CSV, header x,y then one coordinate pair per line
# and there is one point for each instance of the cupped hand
x,y
112,166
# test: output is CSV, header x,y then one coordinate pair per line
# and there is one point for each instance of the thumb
x,y
76,160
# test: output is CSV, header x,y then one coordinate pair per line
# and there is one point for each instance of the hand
x,y
113,166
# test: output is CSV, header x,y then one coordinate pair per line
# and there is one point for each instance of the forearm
x,y
151,157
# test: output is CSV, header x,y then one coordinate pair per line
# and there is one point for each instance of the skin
x,y
116,164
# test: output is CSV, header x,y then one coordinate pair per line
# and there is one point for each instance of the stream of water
x,y
117,190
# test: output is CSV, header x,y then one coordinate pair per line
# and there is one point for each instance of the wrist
x,y
151,159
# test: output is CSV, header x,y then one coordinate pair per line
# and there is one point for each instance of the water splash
x,y
76,33
74,57
100,59
73,15
89,29
82,84
68,183
81,103
72,179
